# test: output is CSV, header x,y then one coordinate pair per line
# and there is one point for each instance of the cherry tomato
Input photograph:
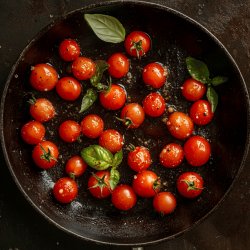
x,y
124,197
69,131
132,115
193,90
45,154
33,132
118,65
114,98
201,112
137,43
69,50
68,88
83,68
171,155
154,74
139,159
146,184
180,125
75,166
42,109
154,104
99,185
65,190
92,126
164,203
111,140
43,77
197,151
190,184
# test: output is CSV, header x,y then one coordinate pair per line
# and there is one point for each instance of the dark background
x,y
22,228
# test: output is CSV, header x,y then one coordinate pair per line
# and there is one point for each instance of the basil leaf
x,y
117,159
218,80
114,178
88,99
97,157
197,69
212,97
107,28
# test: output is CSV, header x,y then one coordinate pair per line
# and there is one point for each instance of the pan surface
x,y
174,37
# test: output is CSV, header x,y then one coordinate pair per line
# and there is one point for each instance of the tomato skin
x,y
171,155
197,151
65,190
69,131
180,125
33,132
164,203
195,186
75,166
154,74
146,184
111,140
124,197
38,153
42,110
139,159
118,65
83,68
154,104
193,90
69,50
92,126
68,88
43,77
114,98
201,112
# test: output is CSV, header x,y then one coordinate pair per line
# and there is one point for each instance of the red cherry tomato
x,y
42,110
43,77
124,197
132,115
146,184
164,203
201,112
114,98
111,140
137,43
190,184
69,131
154,104
83,68
75,166
197,151
171,155
118,65
193,90
69,50
45,154
139,159
68,88
180,125
154,74
92,126
65,190
99,185
33,132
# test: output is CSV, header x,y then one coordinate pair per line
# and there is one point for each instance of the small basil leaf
x,y
197,69
114,178
107,28
212,97
88,99
117,159
101,66
218,80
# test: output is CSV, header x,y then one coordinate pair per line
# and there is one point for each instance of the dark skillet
x,y
174,38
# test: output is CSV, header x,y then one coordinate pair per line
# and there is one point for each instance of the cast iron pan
x,y
174,37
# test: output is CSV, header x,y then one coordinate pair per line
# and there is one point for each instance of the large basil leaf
x,y
117,160
88,99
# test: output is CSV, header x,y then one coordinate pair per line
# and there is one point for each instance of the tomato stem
x,y
138,47
191,185
47,155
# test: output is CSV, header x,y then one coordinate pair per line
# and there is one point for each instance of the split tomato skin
x,y
75,166
69,131
164,203
83,68
69,50
92,126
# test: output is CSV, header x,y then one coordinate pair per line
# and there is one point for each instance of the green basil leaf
x,y
88,99
114,178
197,69
101,66
219,80
97,157
117,159
107,28
212,97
